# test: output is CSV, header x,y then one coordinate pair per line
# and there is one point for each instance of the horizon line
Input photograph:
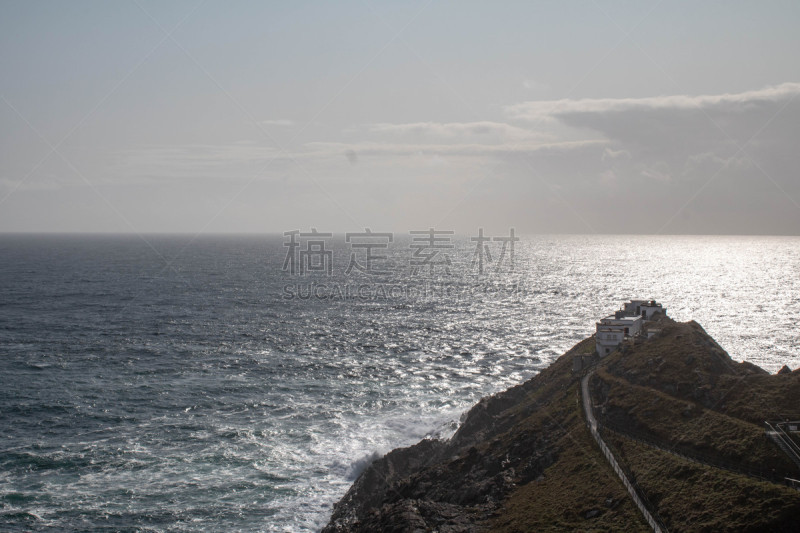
x,y
403,232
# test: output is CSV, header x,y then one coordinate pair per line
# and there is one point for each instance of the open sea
x,y
232,383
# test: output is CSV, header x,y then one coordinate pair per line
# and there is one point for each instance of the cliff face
x,y
524,460
506,441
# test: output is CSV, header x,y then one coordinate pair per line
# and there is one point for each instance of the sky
x,y
650,117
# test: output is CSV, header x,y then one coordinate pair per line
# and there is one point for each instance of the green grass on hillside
x,y
692,497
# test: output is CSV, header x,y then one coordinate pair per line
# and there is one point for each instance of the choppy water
x,y
185,385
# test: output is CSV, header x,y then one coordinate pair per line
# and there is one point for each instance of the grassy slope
x,y
677,421
580,480
684,390
693,497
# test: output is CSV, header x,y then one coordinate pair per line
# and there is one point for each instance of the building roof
x,y
643,302
609,327
625,318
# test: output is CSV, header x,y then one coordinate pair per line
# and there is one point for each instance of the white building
x,y
644,308
634,307
632,325
607,338
628,322
651,308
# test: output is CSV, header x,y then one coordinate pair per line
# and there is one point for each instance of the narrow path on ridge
x,y
592,423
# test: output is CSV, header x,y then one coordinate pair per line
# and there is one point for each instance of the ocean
x,y
241,383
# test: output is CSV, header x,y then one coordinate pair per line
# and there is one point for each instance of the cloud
x,y
716,163
247,160
659,171
36,183
534,85
669,164
236,160
482,130
609,154
559,109
367,148
278,122
686,138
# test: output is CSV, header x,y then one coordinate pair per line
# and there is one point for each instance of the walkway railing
x,y
784,441
633,489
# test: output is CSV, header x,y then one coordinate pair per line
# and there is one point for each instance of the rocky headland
x,y
683,419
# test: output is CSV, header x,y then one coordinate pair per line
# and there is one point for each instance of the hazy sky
x,y
551,117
